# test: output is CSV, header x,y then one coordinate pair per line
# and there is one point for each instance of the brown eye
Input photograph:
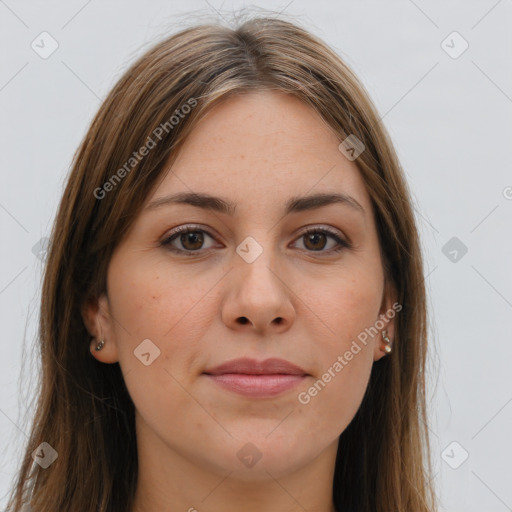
x,y
186,240
192,240
316,240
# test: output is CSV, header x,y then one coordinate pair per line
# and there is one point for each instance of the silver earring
x,y
387,348
99,346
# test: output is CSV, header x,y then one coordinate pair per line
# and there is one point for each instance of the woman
x,y
234,313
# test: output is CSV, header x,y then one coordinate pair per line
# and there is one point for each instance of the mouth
x,y
253,378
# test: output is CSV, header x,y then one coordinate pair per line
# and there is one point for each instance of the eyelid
x,y
186,227
320,227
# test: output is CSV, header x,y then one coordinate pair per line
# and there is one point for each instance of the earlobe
x,y
383,347
386,323
103,351
388,343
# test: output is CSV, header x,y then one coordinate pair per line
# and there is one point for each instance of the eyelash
x,y
166,242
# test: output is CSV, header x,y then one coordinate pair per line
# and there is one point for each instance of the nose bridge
x,y
258,253
256,247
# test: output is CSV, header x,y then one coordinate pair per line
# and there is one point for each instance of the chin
x,y
254,458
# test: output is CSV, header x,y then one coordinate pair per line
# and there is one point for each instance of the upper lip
x,y
249,366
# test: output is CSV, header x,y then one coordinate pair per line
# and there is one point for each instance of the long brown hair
x,y
84,411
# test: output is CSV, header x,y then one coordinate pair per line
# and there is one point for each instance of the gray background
x,y
450,119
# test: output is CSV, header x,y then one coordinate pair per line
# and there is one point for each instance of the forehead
x,y
260,146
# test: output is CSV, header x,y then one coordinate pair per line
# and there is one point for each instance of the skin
x,y
256,150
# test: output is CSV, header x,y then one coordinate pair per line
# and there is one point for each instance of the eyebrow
x,y
218,204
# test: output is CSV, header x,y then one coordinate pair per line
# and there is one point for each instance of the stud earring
x,y
387,348
99,346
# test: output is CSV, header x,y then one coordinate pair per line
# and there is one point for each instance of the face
x,y
256,274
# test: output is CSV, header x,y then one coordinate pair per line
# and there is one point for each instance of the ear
x,y
387,314
98,320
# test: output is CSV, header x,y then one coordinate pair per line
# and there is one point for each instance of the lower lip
x,y
257,385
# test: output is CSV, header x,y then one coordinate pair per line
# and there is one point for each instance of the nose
x,y
259,295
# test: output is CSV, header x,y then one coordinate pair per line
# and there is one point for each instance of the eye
x,y
315,240
191,239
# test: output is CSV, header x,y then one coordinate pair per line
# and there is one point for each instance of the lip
x,y
249,366
254,378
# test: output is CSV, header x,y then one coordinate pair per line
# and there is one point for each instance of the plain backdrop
x,y
440,74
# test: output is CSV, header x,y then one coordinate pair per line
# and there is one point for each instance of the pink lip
x,y
257,379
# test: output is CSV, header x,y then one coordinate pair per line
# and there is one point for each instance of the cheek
x,y
345,306
163,307
159,304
